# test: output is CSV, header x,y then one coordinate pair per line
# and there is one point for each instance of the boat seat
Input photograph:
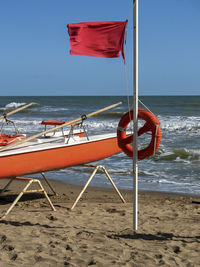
x,y
81,131
54,122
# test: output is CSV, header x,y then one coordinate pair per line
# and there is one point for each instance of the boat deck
x,y
46,143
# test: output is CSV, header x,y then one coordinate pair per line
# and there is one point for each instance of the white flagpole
x,y
135,115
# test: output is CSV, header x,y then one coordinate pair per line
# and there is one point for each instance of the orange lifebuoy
x,y
152,125
6,139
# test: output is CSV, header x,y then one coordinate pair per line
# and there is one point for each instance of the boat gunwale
x,y
51,144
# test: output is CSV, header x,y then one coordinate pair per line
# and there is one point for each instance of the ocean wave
x,y
24,126
25,123
114,115
54,109
189,105
143,173
186,155
182,124
101,125
14,105
178,183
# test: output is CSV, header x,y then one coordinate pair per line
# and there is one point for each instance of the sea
x,y
174,168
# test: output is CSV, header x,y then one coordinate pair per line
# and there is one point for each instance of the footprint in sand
x,y
3,238
8,247
121,212
14,257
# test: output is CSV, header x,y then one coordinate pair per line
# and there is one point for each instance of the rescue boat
x,y
53,153
53,149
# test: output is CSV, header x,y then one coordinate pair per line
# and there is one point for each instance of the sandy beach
x,y
98,232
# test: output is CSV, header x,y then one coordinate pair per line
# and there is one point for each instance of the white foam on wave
x,y
189,124
166,181
14,105
149,173
28,122
54,109
178,159
180,155
25,126
102,125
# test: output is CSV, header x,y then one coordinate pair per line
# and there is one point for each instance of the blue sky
x,y
34,48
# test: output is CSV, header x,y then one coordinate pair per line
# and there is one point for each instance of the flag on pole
x,y
98,39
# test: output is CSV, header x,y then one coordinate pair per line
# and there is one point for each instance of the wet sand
x,y
99,231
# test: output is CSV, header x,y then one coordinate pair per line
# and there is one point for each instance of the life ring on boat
x,y
152,124
6,139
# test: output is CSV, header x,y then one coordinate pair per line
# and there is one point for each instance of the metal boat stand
x,y
30,181
96,168
12,179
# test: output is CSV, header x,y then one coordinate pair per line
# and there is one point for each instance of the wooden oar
x,y
16,110
59,126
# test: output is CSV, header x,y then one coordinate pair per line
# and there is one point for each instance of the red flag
x,y
98,39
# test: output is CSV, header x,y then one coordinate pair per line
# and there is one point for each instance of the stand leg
x,y
114,186
6,186
16,200
29,191
84,188
89,180
45,194
46,180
